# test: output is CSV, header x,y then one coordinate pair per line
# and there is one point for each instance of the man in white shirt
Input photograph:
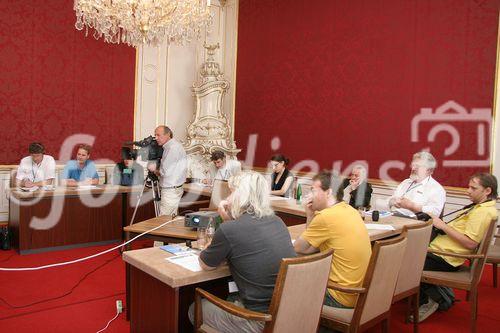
x,y
420,192
222,168
37,169
173,170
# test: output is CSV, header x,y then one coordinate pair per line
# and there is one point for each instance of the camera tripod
x,y
151,181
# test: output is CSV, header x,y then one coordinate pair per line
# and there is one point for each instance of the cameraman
x,y
173,169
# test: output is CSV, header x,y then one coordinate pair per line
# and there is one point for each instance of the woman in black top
x,y
281,178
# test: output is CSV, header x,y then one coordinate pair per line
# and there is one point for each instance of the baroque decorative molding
x,y
209,129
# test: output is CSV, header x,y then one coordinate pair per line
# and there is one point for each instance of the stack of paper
x,y
377,226
188,261
29,189
381,213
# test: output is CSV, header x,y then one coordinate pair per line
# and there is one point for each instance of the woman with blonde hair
x,y
253,243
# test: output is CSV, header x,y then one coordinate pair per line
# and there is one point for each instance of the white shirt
x,y
428,193
230,168
37,172
173,168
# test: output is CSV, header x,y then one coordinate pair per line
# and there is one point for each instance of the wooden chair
x,y
468,277
494,256
13,180
297,299
408,283
220,191
375,296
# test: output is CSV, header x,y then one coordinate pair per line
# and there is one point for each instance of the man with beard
x,y
420,192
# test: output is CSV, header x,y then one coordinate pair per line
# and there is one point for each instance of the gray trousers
x,y
225,322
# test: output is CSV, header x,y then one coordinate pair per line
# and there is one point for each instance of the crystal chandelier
x,y
137,22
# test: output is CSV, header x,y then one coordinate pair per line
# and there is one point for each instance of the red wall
x,y
342,80
55,82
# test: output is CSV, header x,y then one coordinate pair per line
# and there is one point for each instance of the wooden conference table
x,y
71,217
159,293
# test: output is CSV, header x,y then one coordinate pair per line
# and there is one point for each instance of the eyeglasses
x,y
274,165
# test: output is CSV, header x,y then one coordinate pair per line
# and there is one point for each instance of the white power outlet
x,y
119,306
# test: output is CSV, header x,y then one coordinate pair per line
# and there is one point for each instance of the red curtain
x,y
340,81
55,82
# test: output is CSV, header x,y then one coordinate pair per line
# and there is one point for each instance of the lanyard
x,y
411,187
33,172
223,176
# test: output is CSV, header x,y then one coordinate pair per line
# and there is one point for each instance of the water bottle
x,y
299,194
209,233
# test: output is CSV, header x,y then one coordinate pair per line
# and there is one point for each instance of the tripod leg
x,y
156,198
138,203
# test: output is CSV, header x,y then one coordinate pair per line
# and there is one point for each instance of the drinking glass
x,y
201,238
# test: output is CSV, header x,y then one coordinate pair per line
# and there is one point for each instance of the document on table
x,y
86,187
188,261
381,213
275,198
29,189
377,226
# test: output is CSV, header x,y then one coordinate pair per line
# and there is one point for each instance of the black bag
x,y
444,296
5,238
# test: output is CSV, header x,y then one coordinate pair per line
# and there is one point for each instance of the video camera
x,y
149,150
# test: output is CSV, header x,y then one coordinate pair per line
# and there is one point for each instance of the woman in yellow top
x,y
462,235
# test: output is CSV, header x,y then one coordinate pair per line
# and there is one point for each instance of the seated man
x,y
357,191
81,171
253,245
333,224
461,235
37,169
420,192
128,172
222,168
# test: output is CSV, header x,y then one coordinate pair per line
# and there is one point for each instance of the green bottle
x,y
299,194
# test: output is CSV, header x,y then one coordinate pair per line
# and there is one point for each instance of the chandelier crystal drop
x,y
139,22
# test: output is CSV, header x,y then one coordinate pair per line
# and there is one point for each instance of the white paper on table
x,y
274,197
188,261
29,189
86,187
377,226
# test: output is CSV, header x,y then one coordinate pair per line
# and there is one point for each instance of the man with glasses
x,y
420,192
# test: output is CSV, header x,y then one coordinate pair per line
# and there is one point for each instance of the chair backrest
x,y
496,241
220,191
299,293
477,265
380,279
414,257
109,172
13,180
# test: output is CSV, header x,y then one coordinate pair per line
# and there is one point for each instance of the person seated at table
x,y
81,171
420,192
128,172
253,244
222,168
357,190
37,169
461,235
281,178
333,224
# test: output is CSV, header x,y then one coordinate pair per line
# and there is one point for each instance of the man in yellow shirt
x,y
334,224
462,235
